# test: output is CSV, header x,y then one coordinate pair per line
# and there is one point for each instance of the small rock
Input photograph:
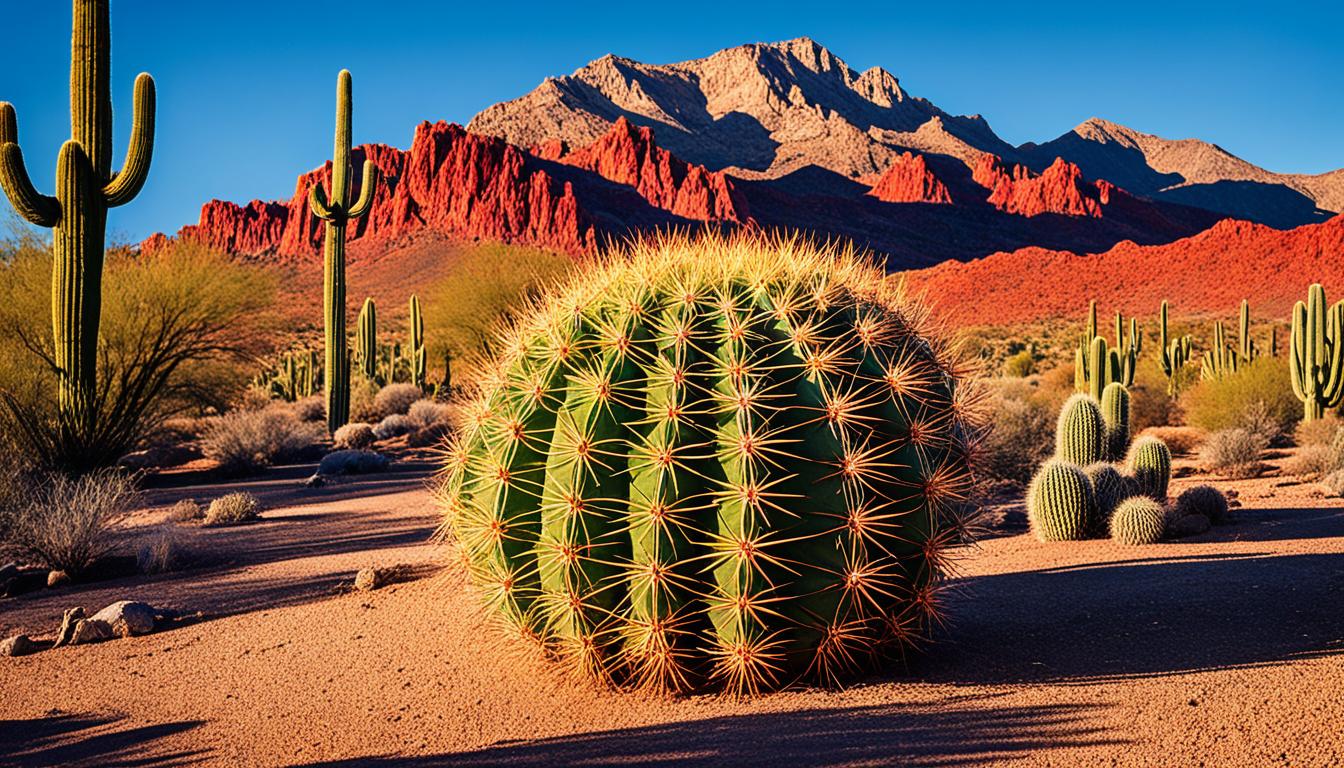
x,y
67,630
18,645
90,631
127,618
57,579
368,579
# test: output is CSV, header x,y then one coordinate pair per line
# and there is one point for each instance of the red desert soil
x,y
1224,649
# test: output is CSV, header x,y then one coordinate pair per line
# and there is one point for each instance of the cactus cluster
x,y
1173,354
298,374
1224,360
86,187
1316,357
729,462
1096,364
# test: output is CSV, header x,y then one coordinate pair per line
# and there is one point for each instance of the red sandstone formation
x,y
628,155
1210,272
909,180
1059,189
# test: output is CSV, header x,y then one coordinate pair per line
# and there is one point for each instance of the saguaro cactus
x,y
366,339
1173,353
1316,357
1097,364
417,343
336,210
1246,348
85,188
1220,360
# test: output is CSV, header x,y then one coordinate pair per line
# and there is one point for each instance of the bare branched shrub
x,y
232,509
161,552
1233,452
354,435
1021,435
68,524
1317,431
246,441
186,511
396,399
311,408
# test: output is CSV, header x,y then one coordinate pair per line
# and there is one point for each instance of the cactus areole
x,y
336,209
86,187
719,463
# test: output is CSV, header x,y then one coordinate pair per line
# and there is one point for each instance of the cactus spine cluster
x,y
721,462
366,340
416,343
1174,353
1316,355
86,187
336,209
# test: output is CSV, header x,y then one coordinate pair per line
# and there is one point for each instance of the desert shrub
x,y
425,413
1334,482
311,408
1256,398
484,285
1181,440
396,399
352,462
1020,365
177,326
232,509
354,435
363,396
1021,434
1149,403
393,425
1202,500
246,441
162,551
67,523
253,398
431,435
1232,452
186,511
1317,431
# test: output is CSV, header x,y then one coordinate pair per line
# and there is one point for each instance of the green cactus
x,y
1080,433
1316,354
335,208
1173,353
1220,360
1115,414
1061,503
86,187
1150,465
416,343
1109,487
366,340
1246,348
1096,364
1139,520
716,463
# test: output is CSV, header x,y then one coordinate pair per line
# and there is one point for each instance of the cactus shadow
x,y
1140,618
927,735
64,739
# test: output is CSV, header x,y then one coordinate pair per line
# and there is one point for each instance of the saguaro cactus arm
x,y
40,209
367,185
127,183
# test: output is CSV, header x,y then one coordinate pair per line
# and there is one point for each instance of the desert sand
x,y
1225,649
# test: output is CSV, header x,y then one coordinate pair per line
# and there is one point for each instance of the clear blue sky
x,y
246,88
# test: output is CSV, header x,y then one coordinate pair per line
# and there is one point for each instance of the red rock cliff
x,y
909,180
1059,189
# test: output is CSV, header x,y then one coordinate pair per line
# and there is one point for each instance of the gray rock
x,y
127,618
368,579
18,645
57,579
351,462
90,631
67,630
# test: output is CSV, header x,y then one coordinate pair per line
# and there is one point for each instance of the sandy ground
x,y
1226,649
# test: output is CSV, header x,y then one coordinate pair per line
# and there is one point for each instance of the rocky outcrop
x,y
450,181
628,155
1058,189
909,180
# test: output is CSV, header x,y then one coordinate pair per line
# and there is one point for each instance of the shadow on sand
x,y
889,733
77,740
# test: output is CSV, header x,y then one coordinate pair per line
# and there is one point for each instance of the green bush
x,y
232,509
1020,365
1258,397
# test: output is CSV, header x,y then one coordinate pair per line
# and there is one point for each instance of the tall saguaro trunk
x,y
337,210
85,188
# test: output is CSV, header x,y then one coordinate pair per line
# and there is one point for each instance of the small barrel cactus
x,y
1178,527
1203,500
1150,465
714,463
1080,435
1115,414
1060,503
1139,520
1110,486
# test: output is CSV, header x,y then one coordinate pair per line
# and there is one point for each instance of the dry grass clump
x,y
396,398
1317,431
161,552
1182,441
425,413
311,408
393,425
354,435
232,509
186,511
67,524
244,442
1335,482
1022,430
1233,452
1255,399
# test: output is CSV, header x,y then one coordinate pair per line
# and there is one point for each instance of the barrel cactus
x,y
716,463
1109,487
1150,465
1139,520
1115,414
1203,500
1080,435
1061,505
